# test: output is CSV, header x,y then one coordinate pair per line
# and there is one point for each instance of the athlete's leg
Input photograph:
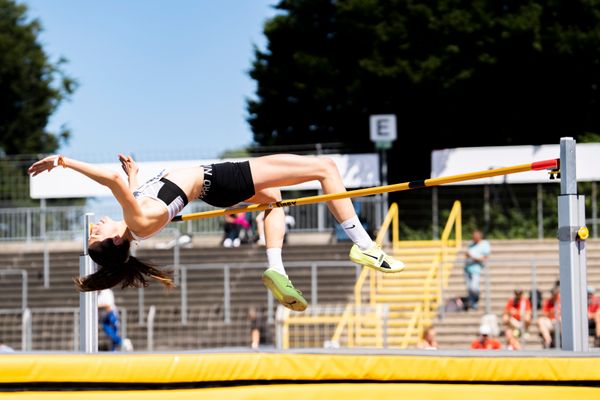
x,y
260,228
287,169
275,277
274,219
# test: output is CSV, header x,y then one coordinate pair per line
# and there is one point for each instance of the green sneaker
x,y
283,290
375,258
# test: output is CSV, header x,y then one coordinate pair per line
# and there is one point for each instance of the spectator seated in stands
x,y
427,341
512,343
550,318
593,315
258,330
484,341
234,223
517,315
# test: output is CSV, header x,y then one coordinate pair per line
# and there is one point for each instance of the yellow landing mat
x,y
345,391
215,367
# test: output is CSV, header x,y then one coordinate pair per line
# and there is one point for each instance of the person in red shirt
x,y
517,315
594,316
484,341
550,317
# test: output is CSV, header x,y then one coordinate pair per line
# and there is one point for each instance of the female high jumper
x,y
148,208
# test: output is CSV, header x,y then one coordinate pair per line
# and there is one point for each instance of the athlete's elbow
x,y
112,179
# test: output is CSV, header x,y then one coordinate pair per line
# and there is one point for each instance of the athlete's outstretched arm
x,y
131,169
108,178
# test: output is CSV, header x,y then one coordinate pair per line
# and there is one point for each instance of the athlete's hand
x,y
129,165
45,164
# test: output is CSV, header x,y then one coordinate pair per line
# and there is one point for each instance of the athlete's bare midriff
x,y
189,179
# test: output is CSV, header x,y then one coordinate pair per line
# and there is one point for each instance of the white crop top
x,y
167,193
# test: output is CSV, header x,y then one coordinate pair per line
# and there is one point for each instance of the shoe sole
x,y
386,270
286,300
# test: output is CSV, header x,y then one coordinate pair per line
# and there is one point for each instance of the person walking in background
x,y
109,318
476,255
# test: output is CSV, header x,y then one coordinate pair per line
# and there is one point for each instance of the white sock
x,y
274,260
357,233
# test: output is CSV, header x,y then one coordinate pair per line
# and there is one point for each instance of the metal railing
x,y
314,266
65,222
55,328
16,327
41,328
33,223
322,328
353,315
360,318
23,274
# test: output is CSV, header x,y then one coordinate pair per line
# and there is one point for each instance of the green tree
x,y
455,72
31,86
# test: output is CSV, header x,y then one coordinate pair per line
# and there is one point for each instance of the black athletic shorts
x,y
226,184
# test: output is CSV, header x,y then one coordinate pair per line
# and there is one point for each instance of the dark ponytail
x,y
116,266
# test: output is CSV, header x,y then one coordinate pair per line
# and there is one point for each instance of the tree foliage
x,y
31,85
455,72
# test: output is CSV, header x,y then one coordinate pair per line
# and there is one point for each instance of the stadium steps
x,y
509,268
205,291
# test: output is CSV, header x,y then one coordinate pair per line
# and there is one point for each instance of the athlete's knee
x,y
271,194
327,167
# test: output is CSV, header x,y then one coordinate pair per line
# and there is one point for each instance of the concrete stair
x,y
509,267
206,327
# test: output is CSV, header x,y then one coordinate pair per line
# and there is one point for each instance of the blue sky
x,y
161,79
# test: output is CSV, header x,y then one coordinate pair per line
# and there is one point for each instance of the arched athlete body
x,y
149,207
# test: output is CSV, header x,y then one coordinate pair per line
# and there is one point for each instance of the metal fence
x,y
65,222
9,282
527,211
46,329
492,208
312,294
224,321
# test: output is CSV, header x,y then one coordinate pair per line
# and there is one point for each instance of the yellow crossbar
x,y
398,187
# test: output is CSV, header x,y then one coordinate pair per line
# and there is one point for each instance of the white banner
x,y
357,170
470,159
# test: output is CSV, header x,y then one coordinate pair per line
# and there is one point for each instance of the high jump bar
x,y
398,187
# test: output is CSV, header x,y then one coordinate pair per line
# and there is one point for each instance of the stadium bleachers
x,y
206,325
509,267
